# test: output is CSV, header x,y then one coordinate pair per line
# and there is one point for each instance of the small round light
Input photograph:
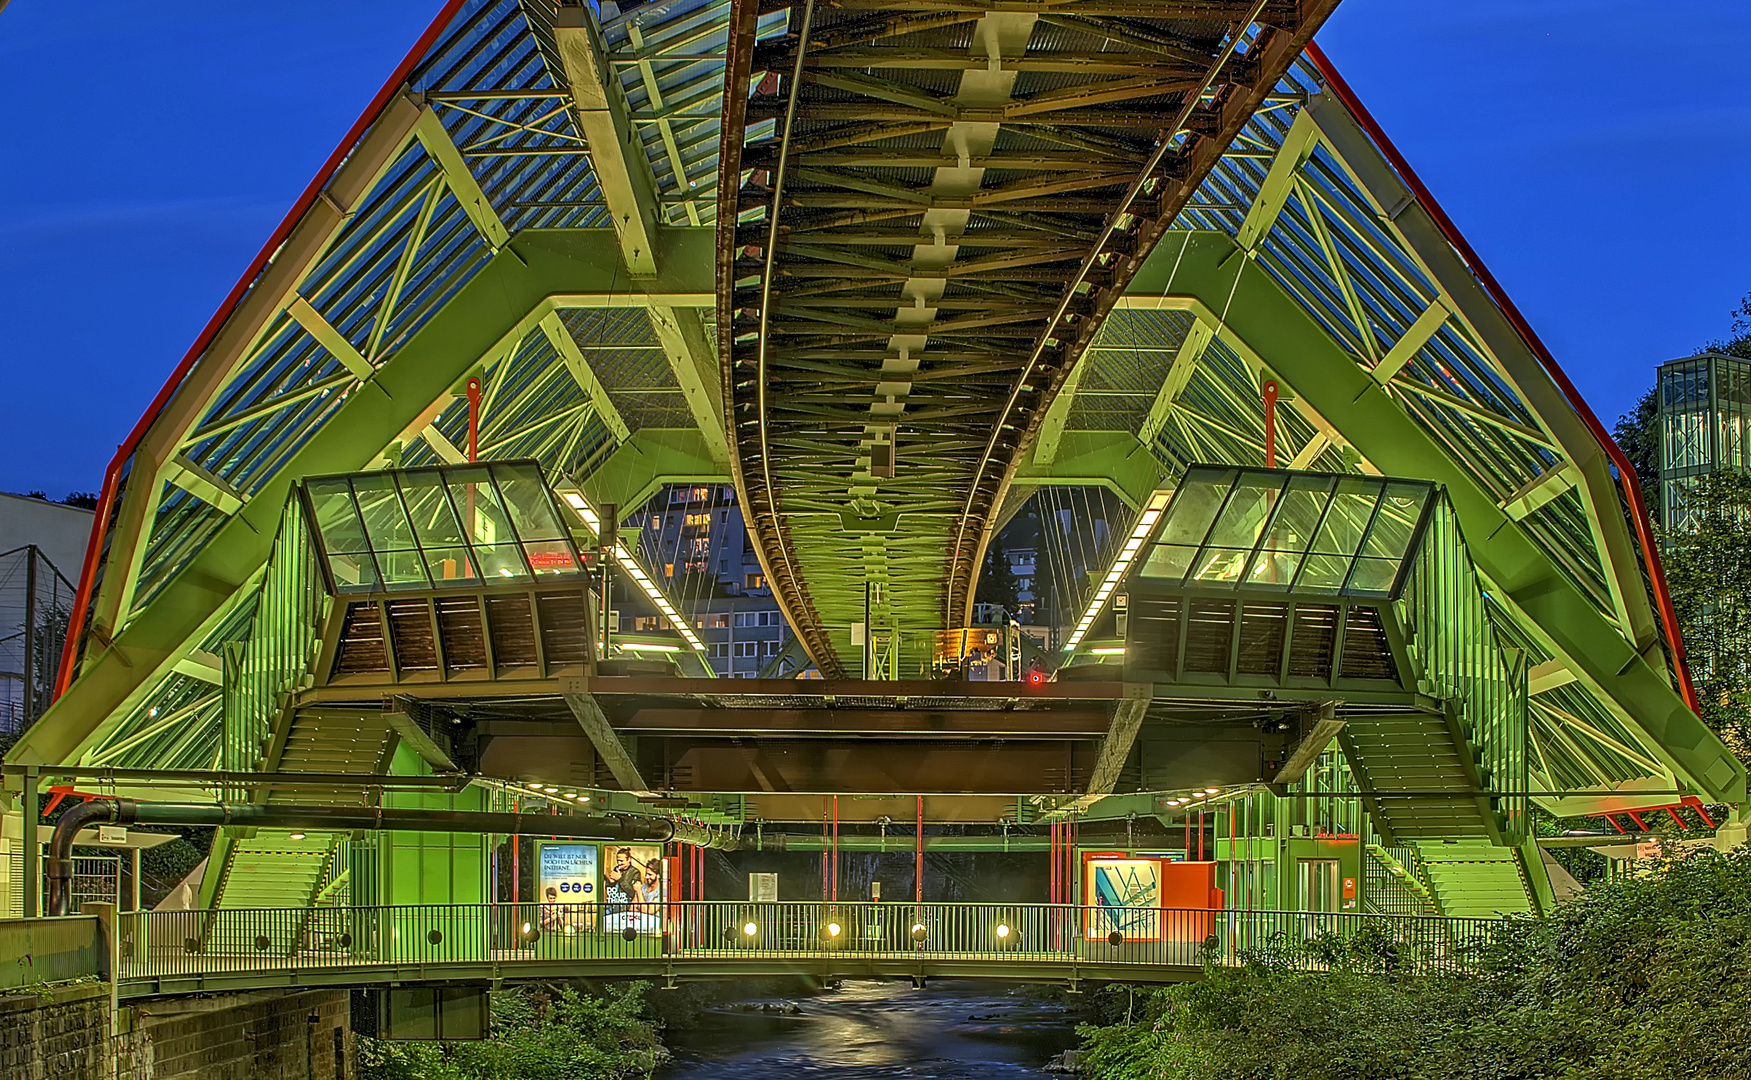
x,y
1003,931
297,836
749,929
834,929
918,933
549,789
571,795
1212,791
1117,937
583,798
525,928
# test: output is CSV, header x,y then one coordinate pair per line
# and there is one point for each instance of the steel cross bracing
x,y
347,347
949,200
1309,197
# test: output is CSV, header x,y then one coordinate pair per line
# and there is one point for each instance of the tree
x,y
1638,435
1708,570
997,583
538,1033
1740,343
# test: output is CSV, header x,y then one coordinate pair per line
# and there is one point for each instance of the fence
x,y
671,936
35,951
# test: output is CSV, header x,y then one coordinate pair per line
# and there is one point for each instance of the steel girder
x,y
1209,274
915,254
407,392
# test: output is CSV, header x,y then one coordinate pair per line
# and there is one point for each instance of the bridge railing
x,y
719,934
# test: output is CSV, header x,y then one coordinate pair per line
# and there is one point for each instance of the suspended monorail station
x,y
573,544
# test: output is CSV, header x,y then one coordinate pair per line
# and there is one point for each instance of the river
x,y
868,1030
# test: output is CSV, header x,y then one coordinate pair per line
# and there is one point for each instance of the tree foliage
x,y
1708,571
1636,979
1740,343
1637,434
537,1034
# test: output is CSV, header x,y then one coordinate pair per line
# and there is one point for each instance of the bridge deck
x,y
163,953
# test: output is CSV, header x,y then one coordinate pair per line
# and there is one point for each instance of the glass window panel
x,y
354,571
403,568
1298,514
549,557
1390,536
1273,569
1194,506
1323,573
486,525
1373,576
1217,565
386,524
1244,517
337,519
530,506
1351,507
437,527
1168,561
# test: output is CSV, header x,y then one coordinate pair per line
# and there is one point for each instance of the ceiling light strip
x,y
593,521
1152,508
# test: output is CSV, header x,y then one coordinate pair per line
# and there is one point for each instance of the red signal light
x,y
1036,678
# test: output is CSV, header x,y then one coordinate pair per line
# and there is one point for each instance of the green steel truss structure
x,y
889,267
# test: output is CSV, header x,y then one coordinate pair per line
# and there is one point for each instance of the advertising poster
x,y
633,888
566,886
1123,894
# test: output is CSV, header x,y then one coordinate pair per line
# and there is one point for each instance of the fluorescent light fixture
x,y
1152,508
1109,650
587,514
648,646
505,571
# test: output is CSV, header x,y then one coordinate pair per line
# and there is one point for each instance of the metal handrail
x,y
721,933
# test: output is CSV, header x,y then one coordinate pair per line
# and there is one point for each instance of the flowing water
x,y
877,1031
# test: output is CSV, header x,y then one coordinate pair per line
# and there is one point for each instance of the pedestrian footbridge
x,y
184,952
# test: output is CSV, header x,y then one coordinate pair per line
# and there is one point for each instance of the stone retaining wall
x,y
68,1033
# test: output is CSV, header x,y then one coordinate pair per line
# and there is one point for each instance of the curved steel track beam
x,y
949,201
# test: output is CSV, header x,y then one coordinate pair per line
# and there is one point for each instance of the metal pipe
x,y
348,819
802,842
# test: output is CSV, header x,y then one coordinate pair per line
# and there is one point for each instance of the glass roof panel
x,y
443,527
1255,528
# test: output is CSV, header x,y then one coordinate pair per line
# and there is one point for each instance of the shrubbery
x,y
1646,978
537,1034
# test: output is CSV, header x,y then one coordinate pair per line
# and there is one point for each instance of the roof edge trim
x,y
1627,478
105,503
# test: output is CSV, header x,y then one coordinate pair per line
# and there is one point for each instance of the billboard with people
x,y
633,888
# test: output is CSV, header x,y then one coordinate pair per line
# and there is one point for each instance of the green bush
x,y
537,1034
1640,979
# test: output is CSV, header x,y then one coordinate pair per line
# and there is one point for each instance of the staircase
x,y
1419,754
1392,887
1474,878
268,868
272,870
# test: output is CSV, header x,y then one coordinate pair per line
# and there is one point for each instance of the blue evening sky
x,y
1597,153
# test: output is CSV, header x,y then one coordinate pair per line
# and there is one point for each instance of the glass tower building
x,y
1705,424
